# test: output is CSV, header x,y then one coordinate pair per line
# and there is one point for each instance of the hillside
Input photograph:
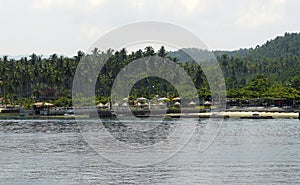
x,y
280,47
278,59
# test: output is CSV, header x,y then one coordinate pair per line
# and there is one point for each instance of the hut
x,y
42,108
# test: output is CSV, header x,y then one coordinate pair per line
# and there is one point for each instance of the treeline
x,y
270,71
25,79
35,78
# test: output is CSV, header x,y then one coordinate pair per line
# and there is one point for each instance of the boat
x,y
69,112
256,116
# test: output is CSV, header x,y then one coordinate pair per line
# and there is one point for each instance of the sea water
x,y
40,151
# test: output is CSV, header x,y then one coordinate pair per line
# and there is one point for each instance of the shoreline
x,y
275,115
248,114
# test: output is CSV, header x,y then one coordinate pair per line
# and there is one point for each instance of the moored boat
x,y
256,116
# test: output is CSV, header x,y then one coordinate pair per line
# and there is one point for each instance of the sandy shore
x,y
273,114
287,115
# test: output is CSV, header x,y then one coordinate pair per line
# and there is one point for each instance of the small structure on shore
x,y
42,108
103,106
142,103
177,104
192,103
207,105
163,102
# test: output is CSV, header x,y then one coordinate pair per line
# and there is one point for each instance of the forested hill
x,y
277,59
280,47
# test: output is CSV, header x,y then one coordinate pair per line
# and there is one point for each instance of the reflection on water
x,y
126,132
245,151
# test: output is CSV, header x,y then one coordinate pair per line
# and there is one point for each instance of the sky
x,y
66,26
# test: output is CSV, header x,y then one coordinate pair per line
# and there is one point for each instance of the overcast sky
x,y
66,26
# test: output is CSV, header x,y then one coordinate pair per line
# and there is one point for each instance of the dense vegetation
x,y
276,63
24,80
267,72
278,59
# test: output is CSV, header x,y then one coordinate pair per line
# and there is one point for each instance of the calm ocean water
x,y
244,152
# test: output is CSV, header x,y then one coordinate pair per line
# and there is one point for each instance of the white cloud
x,y
67,4
192,7
182,7
78,23
258,13
92,31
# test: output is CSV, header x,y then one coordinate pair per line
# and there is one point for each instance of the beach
x,y
242,114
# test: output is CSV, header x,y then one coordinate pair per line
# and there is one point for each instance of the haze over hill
x,y
275,48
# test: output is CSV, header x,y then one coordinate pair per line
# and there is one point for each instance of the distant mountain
x,y
237,53
182,55
281,46
18,57
278,59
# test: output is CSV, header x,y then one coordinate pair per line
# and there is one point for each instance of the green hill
x,y
278,59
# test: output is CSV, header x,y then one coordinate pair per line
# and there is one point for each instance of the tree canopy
x,y
270,71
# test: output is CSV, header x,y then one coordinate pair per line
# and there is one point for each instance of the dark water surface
x,y
244,152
